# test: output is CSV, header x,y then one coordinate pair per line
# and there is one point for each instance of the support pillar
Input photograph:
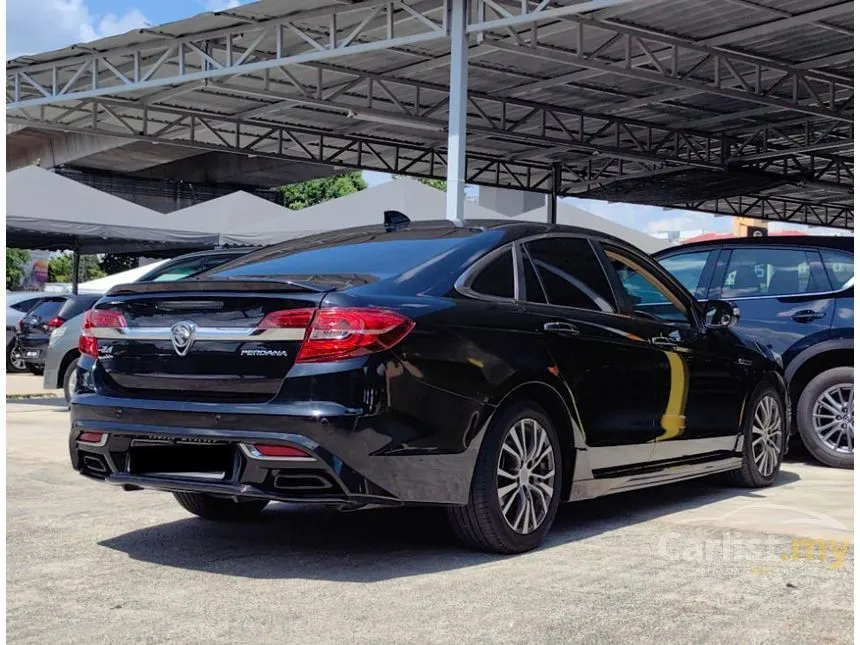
x,y
552,210
458,82
76,269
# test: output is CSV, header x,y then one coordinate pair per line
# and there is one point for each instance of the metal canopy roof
x,y
740,107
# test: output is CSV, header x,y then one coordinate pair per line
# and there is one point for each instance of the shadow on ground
x,y
31,404
291,541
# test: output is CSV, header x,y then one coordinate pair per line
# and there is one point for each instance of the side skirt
x,y
590,488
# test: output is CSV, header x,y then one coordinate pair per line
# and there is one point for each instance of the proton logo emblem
x,y
182,336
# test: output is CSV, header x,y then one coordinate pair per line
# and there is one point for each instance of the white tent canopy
x,y
365,207
47,211
573,216
230,214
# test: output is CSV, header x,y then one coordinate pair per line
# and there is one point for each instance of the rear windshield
x,y
47,309
343,263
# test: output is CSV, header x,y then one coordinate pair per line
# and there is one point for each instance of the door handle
x,y
807,315
557,327
663,342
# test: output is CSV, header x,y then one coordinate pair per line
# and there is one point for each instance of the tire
x,y
14,361
765,417
69,380
814,409
38,370
220,509
482,523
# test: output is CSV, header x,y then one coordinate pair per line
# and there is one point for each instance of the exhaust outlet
x,y
95,464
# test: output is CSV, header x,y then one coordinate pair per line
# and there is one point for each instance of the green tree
x,y
111,263
16,259
438,184
60,268
315,191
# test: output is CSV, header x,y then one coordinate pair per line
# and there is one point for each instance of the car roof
x,y
840,243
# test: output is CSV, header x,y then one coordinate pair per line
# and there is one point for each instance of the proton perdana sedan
x,y
496,369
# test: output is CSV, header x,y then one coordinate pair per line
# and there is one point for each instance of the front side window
x,y
570,273
757,272
497,278
839,267
647,296
687,268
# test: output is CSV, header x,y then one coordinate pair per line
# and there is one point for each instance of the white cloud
x,y
59,23
220,5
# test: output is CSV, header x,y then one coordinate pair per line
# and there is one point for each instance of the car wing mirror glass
x,y
720,314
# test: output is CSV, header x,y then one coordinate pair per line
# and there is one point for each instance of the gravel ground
x,y
687,563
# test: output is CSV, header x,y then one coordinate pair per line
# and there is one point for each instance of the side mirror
x,y
720,314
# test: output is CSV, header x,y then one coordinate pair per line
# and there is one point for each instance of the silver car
x,y
61,357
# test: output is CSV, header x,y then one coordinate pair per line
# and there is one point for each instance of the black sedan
x,y
496,369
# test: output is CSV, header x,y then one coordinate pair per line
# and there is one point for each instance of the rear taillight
x,y
339,333
55,322
88,344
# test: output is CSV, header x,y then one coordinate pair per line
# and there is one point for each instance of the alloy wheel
x,y
73,382
526,476
16,358
833,417
766,436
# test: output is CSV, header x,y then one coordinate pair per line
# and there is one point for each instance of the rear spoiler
x,y
277,286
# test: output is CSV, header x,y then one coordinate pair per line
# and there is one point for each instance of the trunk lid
x,y
198,342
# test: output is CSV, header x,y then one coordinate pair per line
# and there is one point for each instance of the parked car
x,y
33,330
18,303
61,357
796,296
494,370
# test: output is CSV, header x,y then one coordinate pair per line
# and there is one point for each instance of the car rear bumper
x,y
352,458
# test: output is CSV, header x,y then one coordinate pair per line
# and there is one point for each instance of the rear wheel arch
x,y
815,360
71,355
549,398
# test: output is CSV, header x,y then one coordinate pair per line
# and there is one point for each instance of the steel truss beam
x,y
317,145
776,209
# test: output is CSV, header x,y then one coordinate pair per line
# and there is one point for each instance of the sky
x,y
41,25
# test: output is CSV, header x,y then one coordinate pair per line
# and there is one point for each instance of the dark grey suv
x,y
796,297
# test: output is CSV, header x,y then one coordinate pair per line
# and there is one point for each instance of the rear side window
x,y
497,278
570,273
687,269
47,309
760,271
839,267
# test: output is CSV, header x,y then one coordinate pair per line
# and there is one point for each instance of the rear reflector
x,y
91,437
272,450
88,345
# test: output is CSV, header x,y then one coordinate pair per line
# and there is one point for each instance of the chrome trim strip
x,y
817,294
223,334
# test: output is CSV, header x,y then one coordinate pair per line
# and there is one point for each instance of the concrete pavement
x,y
27,385
692,562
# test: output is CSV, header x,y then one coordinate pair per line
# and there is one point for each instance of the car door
x,y
701,381
609,369
783,294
